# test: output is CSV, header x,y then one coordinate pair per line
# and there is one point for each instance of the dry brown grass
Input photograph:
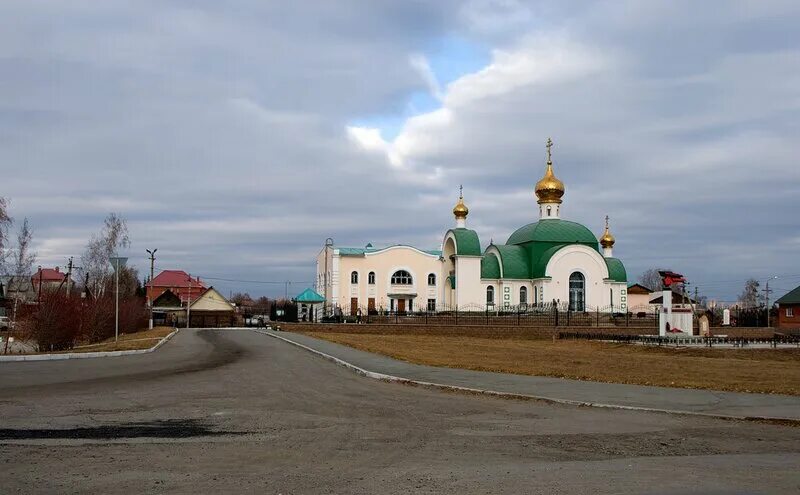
x,y
751,370
144,339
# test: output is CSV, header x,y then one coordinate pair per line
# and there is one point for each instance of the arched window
x,y
354,278
371,278
549,210
535,295
401,277
490,295
523,295
431,279
577,292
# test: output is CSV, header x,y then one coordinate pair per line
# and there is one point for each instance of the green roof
x,y
490,267
553,230
309,296
540,264
793,297
514,260
616,270
467,242
351,251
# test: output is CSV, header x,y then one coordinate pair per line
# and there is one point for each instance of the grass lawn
x,y
144,339
750,370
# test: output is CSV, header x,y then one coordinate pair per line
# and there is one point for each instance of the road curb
x,y
512,395
84,355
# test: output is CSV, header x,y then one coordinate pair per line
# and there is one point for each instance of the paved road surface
x,y
239,412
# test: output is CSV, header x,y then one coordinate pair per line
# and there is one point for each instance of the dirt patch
x,y
774,371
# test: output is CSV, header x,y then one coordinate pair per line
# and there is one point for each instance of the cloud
x,y
236,137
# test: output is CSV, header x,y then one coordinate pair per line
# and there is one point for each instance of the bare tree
x,y
651,279
5,223
24,256
101,247
750,297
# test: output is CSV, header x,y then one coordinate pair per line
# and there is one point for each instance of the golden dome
x,y
461,210
549,189
607,240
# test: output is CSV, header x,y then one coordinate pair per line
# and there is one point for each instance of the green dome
x,y
558,231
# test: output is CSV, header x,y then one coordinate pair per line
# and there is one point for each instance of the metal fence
x,y
774,341
543,315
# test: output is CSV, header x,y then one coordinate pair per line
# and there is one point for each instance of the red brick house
x,y
789,310
178,282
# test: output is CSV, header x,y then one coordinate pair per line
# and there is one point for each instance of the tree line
x,y
82,309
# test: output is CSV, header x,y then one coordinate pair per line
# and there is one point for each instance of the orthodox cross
x,y
606,222
548,146
461,192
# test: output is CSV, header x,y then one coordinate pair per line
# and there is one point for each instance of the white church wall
x,y
583,259
468,281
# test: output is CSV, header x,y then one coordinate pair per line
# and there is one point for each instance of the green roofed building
x,y
549,260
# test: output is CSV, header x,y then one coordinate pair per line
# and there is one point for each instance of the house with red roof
x,y
178,282
48,278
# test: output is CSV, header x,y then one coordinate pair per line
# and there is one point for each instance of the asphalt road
x,y
240,412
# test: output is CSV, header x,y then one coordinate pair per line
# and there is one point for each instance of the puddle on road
x,y
179,428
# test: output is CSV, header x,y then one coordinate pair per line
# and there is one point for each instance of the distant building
x,y
178,282
639,297
211,309
49,278
677,298
18,288
789,310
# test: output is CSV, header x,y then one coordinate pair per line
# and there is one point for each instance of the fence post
x,y
555,309
597,314
456,315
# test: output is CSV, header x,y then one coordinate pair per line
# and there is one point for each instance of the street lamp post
x,y
118,263
766,295
150,292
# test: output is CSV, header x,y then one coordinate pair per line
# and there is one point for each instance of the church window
x,y
790,312
490,295
431,279
401,277
523,295
549,210
577,292
611,298
371,278
431,304
354,278
535,295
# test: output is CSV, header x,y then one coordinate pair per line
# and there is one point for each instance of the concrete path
x,y
598,394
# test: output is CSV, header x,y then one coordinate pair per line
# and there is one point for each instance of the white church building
x,y
549,260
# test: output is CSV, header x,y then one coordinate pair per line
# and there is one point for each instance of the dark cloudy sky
x,y
236,136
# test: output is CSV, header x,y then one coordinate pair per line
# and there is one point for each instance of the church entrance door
x,y
577,294
401,305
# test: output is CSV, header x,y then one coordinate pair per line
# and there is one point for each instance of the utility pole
x,y
39,296
189,303
149,292
766,295
69,275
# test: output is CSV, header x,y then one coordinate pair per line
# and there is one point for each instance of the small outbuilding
x,y
212,309
309,305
